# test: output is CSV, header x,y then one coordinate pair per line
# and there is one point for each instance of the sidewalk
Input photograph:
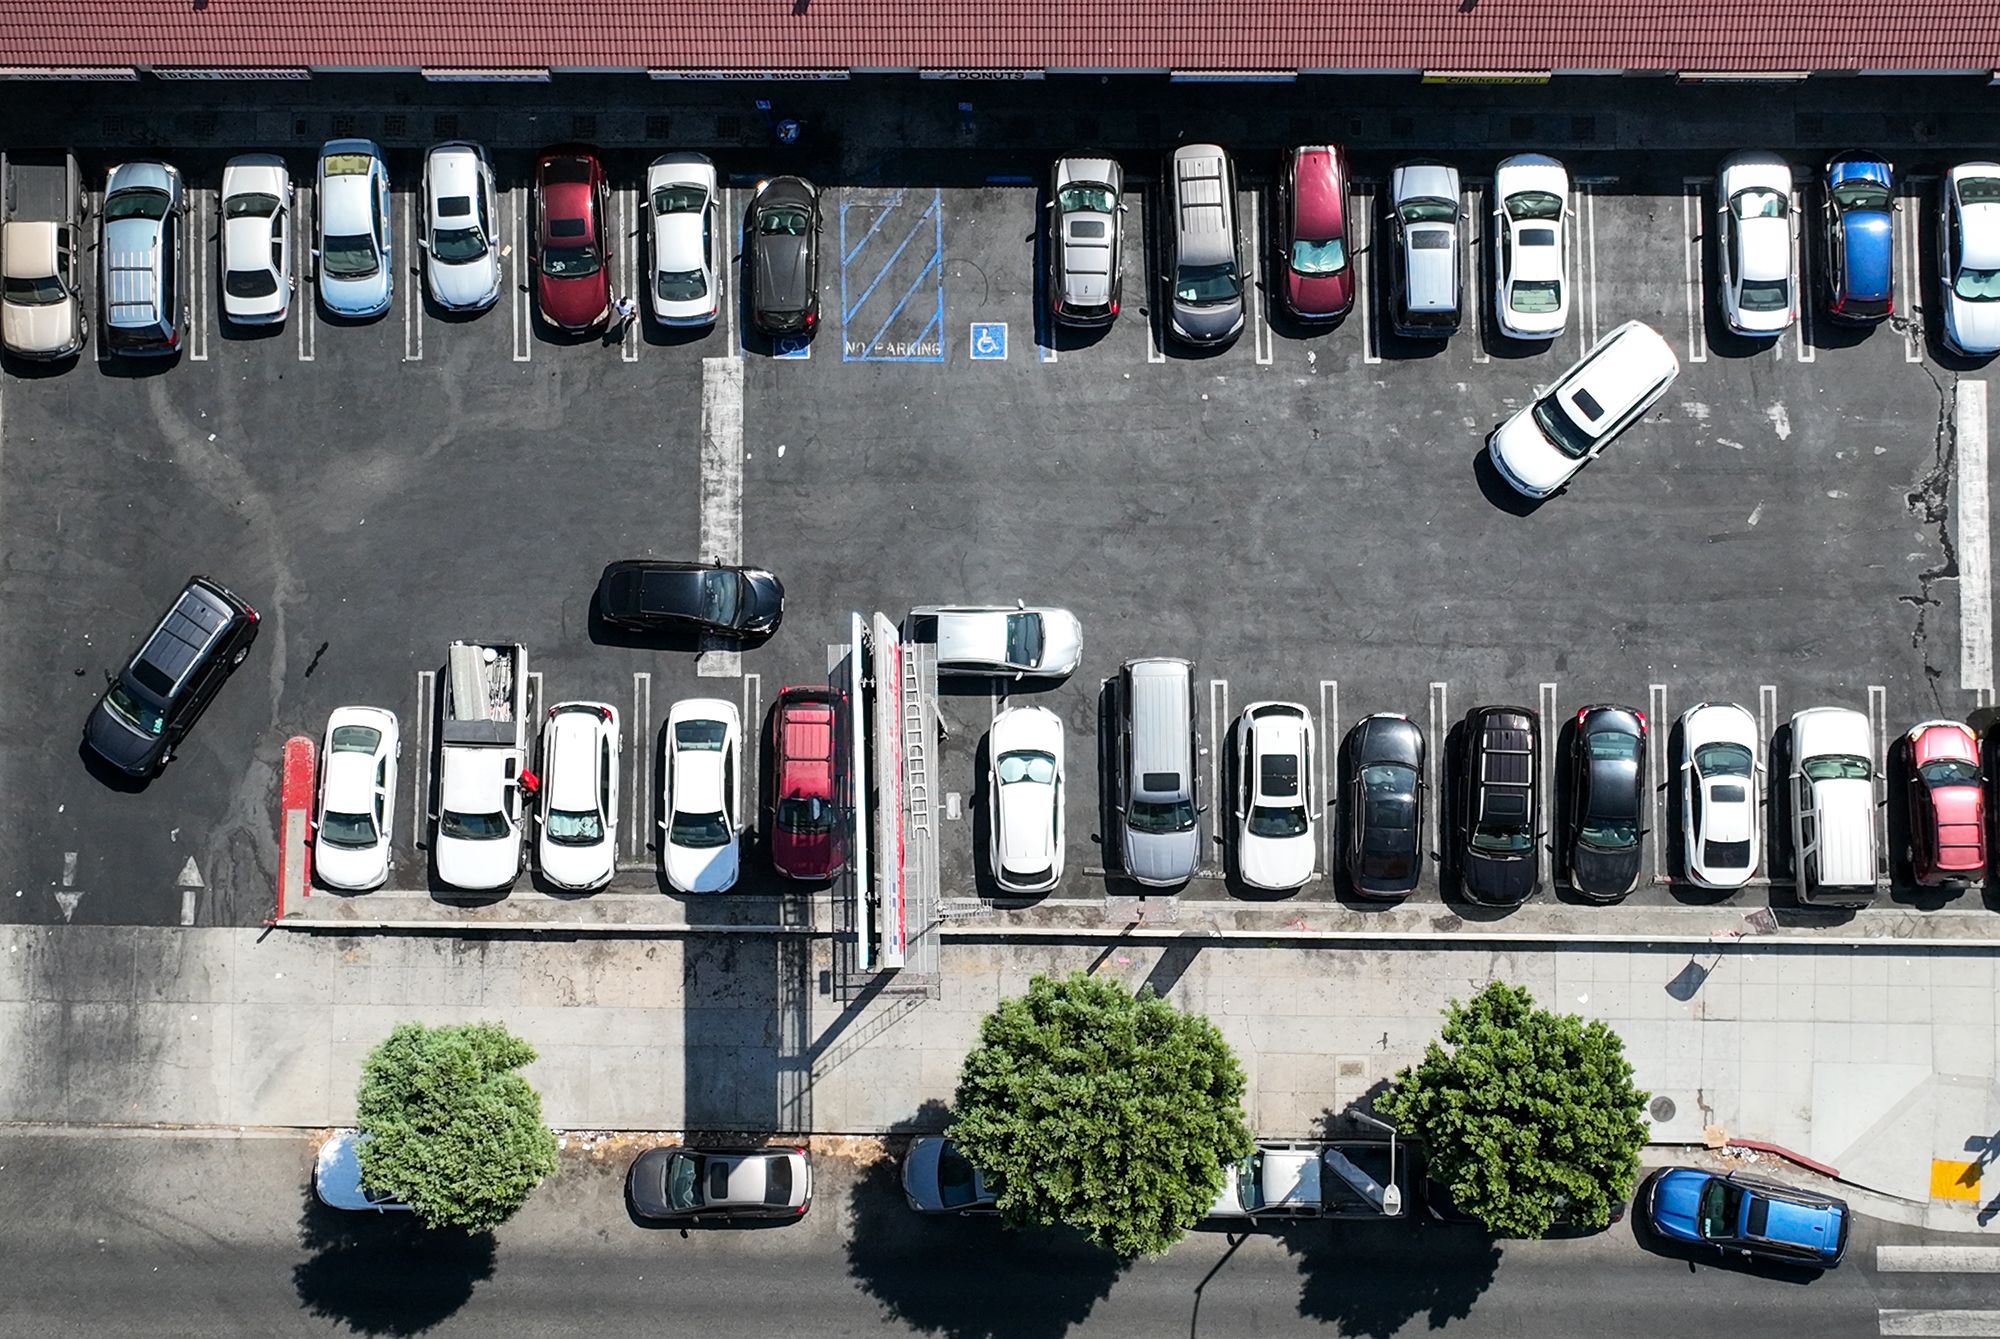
x,y
1879,1062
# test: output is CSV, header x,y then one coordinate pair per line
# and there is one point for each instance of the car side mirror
x,y
423,244
1020,603
1124,209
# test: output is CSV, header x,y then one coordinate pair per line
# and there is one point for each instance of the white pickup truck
x,y
482,750
41,312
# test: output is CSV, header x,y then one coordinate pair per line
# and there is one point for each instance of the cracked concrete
x,y
1930,503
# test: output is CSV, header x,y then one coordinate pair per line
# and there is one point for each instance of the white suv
x,y
1564,428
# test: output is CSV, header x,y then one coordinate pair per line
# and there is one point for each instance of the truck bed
x,y
38,188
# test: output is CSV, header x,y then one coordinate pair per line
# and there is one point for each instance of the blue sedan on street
x,y
1755,1218
1860,239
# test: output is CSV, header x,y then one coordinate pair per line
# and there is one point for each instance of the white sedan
x,y
578,849
460,245
1719,779
257,280
1016,642
1754,203
704,801
687,243
357,798
1275,844
1026,799
1969,258
1530,246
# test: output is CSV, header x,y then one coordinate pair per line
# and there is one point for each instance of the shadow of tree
x,y
1373,1278
383,1273
966,1277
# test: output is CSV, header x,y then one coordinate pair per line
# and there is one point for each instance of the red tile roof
x,y
1033,34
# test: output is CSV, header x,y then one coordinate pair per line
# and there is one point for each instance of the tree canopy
x,y
1528,1117
449,1127
1108,1112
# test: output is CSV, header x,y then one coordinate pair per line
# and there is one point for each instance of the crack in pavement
x,y
1930,503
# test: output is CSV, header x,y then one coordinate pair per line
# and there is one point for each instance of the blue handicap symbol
x,y
989,340
791,346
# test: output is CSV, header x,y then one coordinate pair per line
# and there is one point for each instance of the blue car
x,y
1758,1219
1860,240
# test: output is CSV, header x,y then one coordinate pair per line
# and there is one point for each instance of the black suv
x,y
1607,761
1496,819
153,702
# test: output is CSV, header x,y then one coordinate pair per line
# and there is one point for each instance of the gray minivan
x,y
1158,755
145,302
1204,278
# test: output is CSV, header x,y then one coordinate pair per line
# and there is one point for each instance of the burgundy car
x,y
805,822
1312,234
572,239
1947,805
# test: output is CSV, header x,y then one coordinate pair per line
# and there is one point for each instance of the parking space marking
x,y
94,207
1328,751
1260,328
721,491
1543,839
726,281
1362,224
1588,191
638,799
1473,200
753,716
302,258
1152,208
1434,761
413,298
1802,266
628,270
517,298
1975,540
421,773
1692,222
1878,724
1908,254
927,346
1218,727
1656,715
1937,1321
1038,288
1937,1259
202,301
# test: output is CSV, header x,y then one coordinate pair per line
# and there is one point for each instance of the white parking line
x,y
426,695
1547,703
637,800
753,719
1260,327
1656,757
1475,229
1937,1259
1908,255
517,298
1361,229
1975,540
721,489
203,302
1878,722
1939,1324
1150,202
725,281
302,261
1807,294
628,268
1693,222
413,298
1329,750
1587,186
1218,804
1434,759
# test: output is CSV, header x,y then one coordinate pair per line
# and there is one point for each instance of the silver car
x,y
1086,257
1424,215
1204,276
461,250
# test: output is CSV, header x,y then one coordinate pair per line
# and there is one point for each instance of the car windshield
x,y
805,814
142,202
679,199
1535,295
721,593
684,1182
1618,835
351,831
574,827
1250,1182
456,246
1976,285
570,262
1152,816
1717,1215
1501,838
474,827
1317,258
784,221
1836,767
1722,760
1199,284
1534,205
249,283
958,1183
1024,639
700,736
1979,190
349,256
43,292
682,285
1088,196
1950,772
1861,195
141,716
1025,765
700,831
1428,211
1268,820
1561,430
1759,202
1765,295
250,205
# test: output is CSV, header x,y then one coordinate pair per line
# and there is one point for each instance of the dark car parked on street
x,y
783,256
1497,806
1384,790
1607,779
658,595
692,1183
151,704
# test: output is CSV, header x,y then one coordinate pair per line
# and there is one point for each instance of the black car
x,y
1496,819
783,256
657,596
1607,779
1384,787
149,706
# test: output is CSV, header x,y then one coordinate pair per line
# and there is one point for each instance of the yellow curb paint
x,y
1954,1180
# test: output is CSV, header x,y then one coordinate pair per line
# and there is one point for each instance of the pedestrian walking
x,y
622,313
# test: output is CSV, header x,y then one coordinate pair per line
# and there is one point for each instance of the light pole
x,y
1392,1193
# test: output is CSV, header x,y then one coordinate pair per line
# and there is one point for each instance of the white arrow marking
x,y
190,876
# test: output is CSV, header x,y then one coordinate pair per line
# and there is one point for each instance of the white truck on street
x,y
41,309
482,751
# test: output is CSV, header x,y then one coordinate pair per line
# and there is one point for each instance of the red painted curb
x,y
1780,1151
295,802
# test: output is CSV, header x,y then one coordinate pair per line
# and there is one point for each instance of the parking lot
x,y
1306,515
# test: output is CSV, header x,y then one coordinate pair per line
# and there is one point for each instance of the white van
x,y
1833,807
1567,426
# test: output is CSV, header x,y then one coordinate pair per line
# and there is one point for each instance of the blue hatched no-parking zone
x,y
892,277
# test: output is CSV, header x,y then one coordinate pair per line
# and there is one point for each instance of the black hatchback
x,y
1607,778
1384,786
660,596
149,706
1498,807
783,256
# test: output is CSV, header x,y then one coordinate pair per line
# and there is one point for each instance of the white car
x,y
687,242
357,798
1969,258
257,282
1568,425
1016,642
1720,778
1530,246
357,271
1026,799
460,240
1754,204
704,803
337,1177
578,849
1275,827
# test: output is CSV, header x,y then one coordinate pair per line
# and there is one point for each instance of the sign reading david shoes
x,y
246,74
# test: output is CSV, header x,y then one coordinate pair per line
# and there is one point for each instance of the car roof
x,y
1201,182
453,169
198,618
1626,365
572,762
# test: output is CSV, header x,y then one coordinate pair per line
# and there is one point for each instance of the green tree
x,y
1105,1111
450,1128
1529,1117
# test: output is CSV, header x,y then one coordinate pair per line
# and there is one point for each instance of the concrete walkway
x,y
1879,1062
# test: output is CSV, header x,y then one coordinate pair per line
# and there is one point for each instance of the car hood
x,y
357,297
350,868
1162,858
1527,458
1210,321
1413,181
1276,862
1062,641
255,174
708,870
118,743
920,1175
39,329
575,303
783,276
648,1182
1501,879
766,603
1604,873
469,283
577,867
1974,327
1320,294
1676,1200
801,854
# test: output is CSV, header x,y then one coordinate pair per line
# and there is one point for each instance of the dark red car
x,y
572,239
1312,234
1947,805
805,822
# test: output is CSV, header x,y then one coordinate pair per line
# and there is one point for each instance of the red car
x,y
1312,234
1947,805
572,239
804,826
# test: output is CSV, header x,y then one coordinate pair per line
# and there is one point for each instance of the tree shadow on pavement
x,y
1373,1278
381,1273
966,1277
